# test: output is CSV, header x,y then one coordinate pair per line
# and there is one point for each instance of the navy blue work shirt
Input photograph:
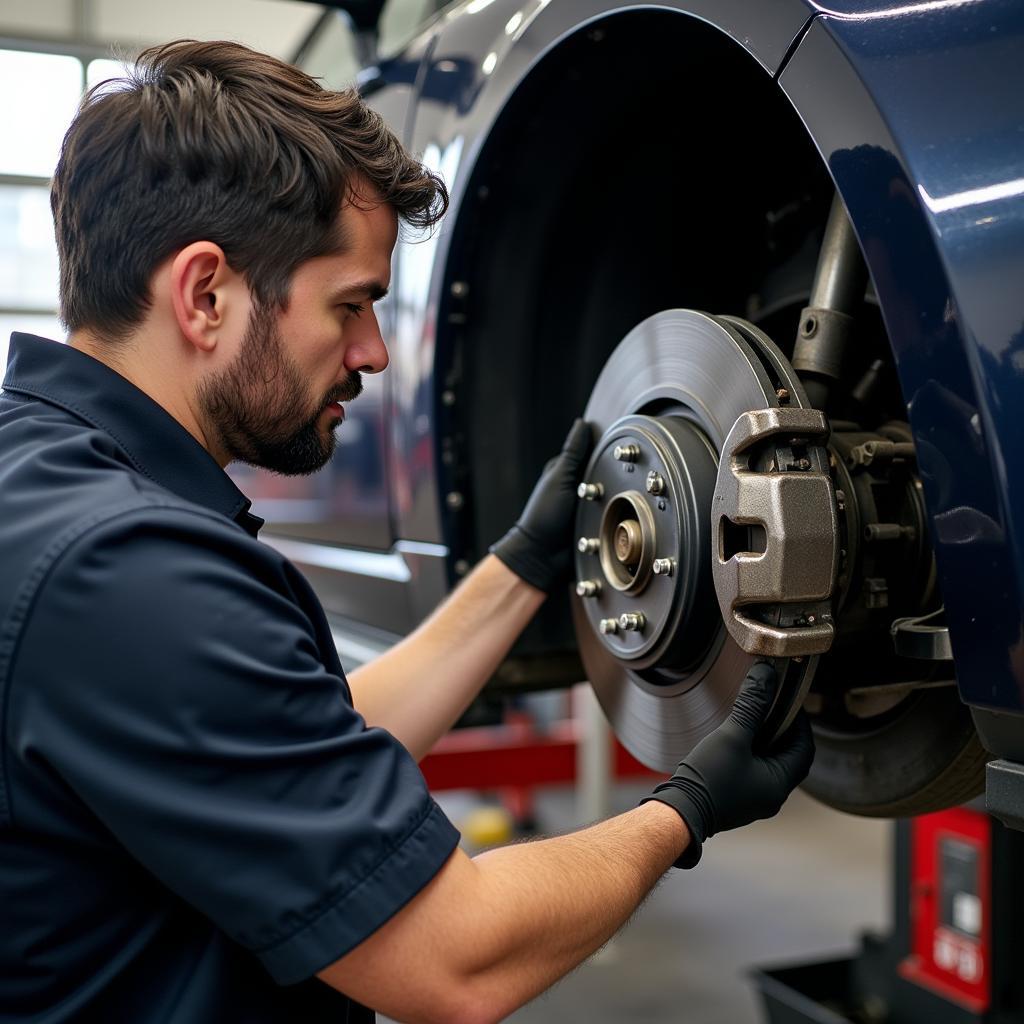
x,y
193,818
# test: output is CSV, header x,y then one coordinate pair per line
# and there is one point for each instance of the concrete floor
x,y
798,887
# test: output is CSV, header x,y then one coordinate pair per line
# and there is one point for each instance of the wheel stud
x,y
607,626
588,588
663,566
590,492
655,483
626,452
632,621
587,545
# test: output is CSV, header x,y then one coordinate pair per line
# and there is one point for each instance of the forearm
x,y
559,900
419,688
489,934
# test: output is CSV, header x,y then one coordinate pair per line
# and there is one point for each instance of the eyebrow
x,y
374,290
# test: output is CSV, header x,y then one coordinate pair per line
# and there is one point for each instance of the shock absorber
x,y
827,321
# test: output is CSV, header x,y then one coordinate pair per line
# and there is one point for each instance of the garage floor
x,y
797,887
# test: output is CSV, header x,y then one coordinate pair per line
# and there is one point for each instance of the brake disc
x,y
650,553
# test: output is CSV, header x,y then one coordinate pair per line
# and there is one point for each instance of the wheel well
x,y
648,162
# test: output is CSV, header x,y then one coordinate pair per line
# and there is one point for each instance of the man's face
x,y
277,404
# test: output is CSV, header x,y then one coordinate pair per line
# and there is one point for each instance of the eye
x,y
354,308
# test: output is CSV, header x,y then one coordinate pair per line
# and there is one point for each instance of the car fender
x,y
916,112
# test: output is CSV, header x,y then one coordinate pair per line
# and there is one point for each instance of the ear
x,y
199,278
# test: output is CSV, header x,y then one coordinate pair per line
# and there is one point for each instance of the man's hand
x,y
538,548
723,783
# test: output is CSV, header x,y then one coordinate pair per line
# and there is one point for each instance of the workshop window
x,y
103,70
28,256
41,93
330,53
402,20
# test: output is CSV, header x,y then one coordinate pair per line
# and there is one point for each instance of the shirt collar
x,y
156,443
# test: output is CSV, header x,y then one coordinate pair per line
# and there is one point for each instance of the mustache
x,y
350,388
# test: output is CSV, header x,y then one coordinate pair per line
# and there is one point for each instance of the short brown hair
x,y
214,141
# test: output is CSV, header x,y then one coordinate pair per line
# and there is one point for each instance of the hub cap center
x,y
628,542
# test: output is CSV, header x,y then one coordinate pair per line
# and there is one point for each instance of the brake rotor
x,y
652,639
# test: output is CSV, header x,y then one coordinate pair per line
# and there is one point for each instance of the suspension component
x,y
827,321
887,568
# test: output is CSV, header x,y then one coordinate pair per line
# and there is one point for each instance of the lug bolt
x,y
587,545
626,452
588,588
590,492
607,626
663,566
632,621
655,483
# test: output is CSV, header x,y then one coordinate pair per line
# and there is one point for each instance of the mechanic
x,y
202,819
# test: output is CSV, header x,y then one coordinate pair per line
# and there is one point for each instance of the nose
x,y
366,351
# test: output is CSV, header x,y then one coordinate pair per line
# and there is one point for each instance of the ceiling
x,y
274,26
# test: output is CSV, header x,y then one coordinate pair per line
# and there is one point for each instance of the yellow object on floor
x,y
487,826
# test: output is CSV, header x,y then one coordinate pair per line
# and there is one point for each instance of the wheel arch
x,y
518,216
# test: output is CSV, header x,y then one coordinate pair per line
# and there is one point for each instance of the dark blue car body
x,y
916,110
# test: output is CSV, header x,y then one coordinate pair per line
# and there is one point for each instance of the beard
x,y
259,410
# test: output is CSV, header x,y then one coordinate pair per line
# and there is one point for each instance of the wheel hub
x,y
646,513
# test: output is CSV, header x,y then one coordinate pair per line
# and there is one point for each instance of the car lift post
x,y
956,952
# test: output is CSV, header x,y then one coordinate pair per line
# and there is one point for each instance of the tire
x,y
925,757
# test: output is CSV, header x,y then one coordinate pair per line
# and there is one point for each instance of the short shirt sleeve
x,y
197,721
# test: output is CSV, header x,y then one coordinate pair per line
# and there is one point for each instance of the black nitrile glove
x,y
723,783
539,548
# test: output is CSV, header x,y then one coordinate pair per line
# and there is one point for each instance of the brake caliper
x,y
775,533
